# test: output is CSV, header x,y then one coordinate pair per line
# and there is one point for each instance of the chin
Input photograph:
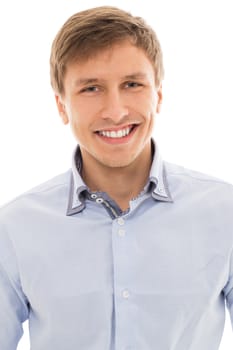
x,y
115,163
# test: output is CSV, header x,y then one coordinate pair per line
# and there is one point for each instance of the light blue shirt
x,y
91,277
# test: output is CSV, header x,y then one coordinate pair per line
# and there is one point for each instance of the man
x,y
124,251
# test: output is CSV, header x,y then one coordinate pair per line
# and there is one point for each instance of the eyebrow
x,y
134,76
87,81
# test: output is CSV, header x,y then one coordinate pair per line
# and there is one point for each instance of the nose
x,y
114,106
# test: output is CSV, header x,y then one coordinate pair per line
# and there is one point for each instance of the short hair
x,y
90,31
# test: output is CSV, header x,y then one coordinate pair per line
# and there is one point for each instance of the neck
x,y
121,184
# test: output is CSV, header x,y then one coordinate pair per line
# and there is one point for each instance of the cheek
x,y
76,123
76,115
145,104
148,110
83,112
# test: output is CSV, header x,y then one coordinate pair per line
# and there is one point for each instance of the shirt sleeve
x,y
13,304
228,291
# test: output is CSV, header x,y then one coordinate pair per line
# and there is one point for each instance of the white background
x,y
194,128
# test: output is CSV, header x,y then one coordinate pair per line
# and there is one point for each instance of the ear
x,y
61,109
160,98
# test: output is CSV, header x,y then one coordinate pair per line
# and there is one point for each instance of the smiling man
x,y
125,250
111,99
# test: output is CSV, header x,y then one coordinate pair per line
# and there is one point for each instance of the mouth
x,y
117,134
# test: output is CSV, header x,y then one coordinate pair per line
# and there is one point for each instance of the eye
x,y
90,89
132,84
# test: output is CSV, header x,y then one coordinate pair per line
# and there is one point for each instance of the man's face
x,y
111,101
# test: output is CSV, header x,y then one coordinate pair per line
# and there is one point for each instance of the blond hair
x,y
87,32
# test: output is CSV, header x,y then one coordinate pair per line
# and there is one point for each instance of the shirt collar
x,y
157,178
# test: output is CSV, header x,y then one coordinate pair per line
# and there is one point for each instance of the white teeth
x,y
116,134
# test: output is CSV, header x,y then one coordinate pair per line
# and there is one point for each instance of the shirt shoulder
x,y
192,175
196,184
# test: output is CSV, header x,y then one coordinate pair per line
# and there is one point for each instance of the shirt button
x,y
125,294
121,221
121,233
99,200
160,190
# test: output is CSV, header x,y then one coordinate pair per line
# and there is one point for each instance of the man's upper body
x,y
90,276
125,251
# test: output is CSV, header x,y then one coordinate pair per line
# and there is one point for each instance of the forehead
x,y
119,60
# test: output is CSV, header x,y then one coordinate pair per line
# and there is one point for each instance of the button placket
x,y
120,221
122,268
121,233
125,294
